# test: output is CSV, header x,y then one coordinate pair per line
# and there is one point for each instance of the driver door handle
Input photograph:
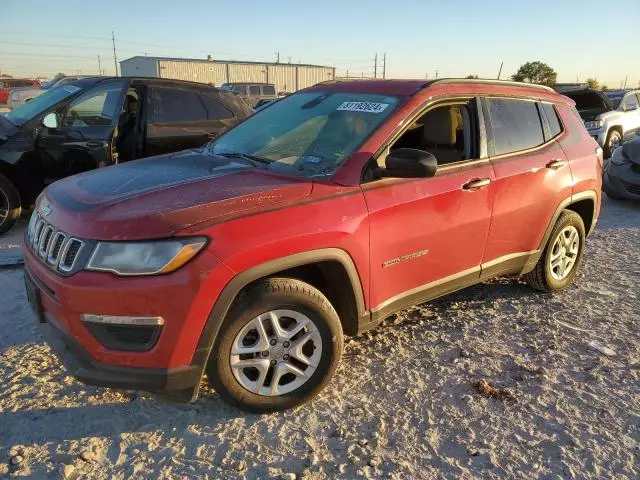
x,y
476,184
556,164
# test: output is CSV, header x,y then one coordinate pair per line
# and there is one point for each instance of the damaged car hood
x,y
159,196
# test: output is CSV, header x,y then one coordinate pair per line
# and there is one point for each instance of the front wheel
x,y
10,205
612,142
278,347
559,263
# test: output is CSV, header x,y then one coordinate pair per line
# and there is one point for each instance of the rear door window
x,y
241,89
515,125
268,90
254,90
216,110
172,105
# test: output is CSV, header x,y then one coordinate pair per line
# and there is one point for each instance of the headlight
x,y
593,125
144,258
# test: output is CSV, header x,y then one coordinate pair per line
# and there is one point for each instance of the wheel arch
x,y
325,262
11,173
584,204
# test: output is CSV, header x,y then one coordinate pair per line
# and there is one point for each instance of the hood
x,y
631,150
159,196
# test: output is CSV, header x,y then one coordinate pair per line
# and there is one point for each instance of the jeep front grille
x,y
55,248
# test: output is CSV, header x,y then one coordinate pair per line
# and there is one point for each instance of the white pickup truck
x,y
611,117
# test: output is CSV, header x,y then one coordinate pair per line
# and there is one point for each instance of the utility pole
x,y
289,59
347,73
437,74
500,71
277,57
99,66
115,60
625,82
384,65
375,66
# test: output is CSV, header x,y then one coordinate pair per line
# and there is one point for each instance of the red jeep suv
x,y
250,258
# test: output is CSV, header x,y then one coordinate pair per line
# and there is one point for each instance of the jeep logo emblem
x,y
45,210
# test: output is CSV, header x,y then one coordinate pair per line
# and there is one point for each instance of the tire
x,y
10,205
613,141
544,277
257,304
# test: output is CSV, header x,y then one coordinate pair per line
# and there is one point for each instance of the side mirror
x,y
50,120
410,163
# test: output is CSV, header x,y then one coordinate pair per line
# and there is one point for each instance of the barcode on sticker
x,y
368,107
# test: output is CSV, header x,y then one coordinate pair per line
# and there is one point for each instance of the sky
x,y
421,39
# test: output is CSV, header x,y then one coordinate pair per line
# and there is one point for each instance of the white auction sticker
x,y
368,107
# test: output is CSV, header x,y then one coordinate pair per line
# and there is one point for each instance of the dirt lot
x,y
402,405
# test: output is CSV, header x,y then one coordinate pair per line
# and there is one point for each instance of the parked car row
x,y
611,116
99,121
319,216
8,84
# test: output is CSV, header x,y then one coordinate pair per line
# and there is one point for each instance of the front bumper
x,y
622,181
173,367
176,384
599,135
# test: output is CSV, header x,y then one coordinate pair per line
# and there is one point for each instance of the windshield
x,y
615,98
308,134
30,110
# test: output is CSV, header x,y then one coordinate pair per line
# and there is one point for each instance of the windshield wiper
x,y
255,160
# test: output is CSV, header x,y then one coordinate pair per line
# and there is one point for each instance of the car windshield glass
x,y
51,83
615,98
308,134
28,111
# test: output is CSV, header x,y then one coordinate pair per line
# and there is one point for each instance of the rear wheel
x,y
559,263
278,347
612,142
10,205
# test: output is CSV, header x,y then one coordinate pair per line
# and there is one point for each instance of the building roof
x,y
204,60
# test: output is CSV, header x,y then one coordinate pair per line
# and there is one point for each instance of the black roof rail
x,y
489,82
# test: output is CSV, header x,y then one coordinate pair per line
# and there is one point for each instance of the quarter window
x,y
515,125
215,109
552,119
268,90
171,105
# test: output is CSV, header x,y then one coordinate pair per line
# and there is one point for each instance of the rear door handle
x,y
476,184
556,164
94,144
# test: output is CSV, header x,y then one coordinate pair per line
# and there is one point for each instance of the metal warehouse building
x,y
286,77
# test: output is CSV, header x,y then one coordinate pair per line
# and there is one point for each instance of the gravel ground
x,y
402,405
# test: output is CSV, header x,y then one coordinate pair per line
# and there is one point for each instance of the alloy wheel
x,y
564,253
4,207
276,352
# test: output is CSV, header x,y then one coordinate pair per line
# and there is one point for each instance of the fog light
x,y
122,320
129,333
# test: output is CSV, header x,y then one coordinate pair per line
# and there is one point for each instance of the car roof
x,y
89,81
411,87
247,83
